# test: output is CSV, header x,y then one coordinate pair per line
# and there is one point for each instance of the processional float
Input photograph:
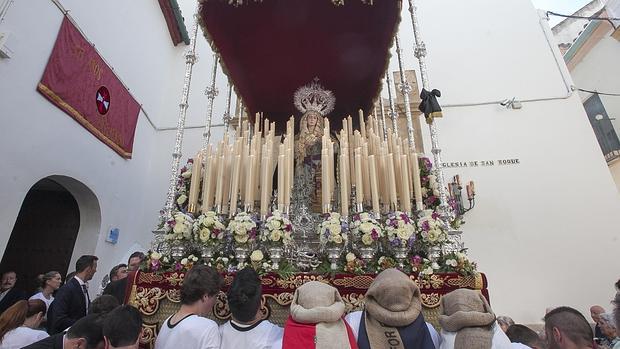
x,y
315,184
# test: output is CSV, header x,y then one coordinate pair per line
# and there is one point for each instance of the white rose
x,y
165,259
366,227
428,271
205,234
350,257
366,239
225,259
181,199
451,262
276,224
337,239
435,265
403,234
275,235
241,238
184,261
155,256
256,256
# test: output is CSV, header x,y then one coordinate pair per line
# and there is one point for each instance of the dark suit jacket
x,y
117,289
11,298
53,342
69,306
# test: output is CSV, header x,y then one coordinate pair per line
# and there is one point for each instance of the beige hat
x,y
393,298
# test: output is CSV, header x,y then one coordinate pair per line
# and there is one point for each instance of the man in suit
x,y
86,333
72,299
8,294
117,288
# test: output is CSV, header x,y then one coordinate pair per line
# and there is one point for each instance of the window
x,y
601,123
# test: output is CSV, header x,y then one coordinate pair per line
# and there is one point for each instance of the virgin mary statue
x,y
314,102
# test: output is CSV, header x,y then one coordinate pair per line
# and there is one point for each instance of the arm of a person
x,y
62,304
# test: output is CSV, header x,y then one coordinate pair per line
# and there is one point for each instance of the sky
x,y
567,7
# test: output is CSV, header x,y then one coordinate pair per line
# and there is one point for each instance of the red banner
x,y
78,81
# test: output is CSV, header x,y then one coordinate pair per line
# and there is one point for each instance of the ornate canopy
x,y
272,47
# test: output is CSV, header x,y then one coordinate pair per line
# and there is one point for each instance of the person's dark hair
x,y
244,295
200,280
115,270
617,285
16,314
69,276
616,311
84,262
103,304
90,327
522,334
122,326
571,323
42,279
8,271
136,254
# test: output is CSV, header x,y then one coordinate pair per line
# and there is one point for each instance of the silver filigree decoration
x,y
313,97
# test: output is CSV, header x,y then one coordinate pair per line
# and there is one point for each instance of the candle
x,y
359,190
406,199
220,182
471,186
365,176
324,180
249,191
391,180
194,186
281,174
344,198
362,124
235,186
263,185
417,184
457,179
373,184
469,195
207,193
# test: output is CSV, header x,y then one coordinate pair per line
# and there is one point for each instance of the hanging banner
x,y
78,81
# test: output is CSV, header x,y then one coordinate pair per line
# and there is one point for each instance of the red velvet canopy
x,y
271,48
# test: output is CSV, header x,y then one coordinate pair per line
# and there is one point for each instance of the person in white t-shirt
x,y
188,328
18,323
247,329
48,284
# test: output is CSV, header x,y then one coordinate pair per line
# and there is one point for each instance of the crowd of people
x,y
64,317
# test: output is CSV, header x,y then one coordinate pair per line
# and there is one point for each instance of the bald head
x,y
595,313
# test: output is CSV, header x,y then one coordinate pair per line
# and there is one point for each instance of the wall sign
x,y
481,163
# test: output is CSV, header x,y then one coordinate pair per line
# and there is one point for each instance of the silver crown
x,y
313,97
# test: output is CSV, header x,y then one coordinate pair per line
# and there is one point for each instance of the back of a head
x,y
244,295
90,328
522,334
84,262
571,323
616,312
103,304
198,281
122,326
13,317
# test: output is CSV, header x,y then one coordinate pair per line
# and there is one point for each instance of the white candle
x,y
359,190
406,199
373,184
417,184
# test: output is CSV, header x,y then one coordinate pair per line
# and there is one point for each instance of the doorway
x,y
44,234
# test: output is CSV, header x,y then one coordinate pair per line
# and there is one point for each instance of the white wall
x,y
39,140
544,231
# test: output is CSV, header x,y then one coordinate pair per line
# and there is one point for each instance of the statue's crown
x,y
313,97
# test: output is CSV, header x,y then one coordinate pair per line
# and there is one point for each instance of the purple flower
x,y
435,215
356,217
427,163
288,227
430,200
416,259
178,266
395,243
426,226
373,234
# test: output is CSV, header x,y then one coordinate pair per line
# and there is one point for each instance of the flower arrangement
x,y
209,229
385,262
366,228
353,264
431,230
243,228
333,231
179,227
278,230
430,186
400,229
156,262
457,262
